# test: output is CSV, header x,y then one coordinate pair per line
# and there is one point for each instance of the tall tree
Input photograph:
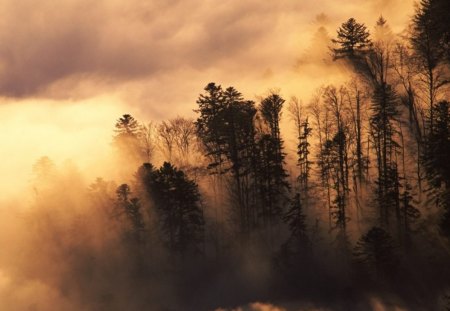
x,y
321,115
184,130
147,139
303,159
352,37
383,114
226,128
437,164
295,218
426,39
377,252
167,134
405,68
335,151
130,207
127,131
178,207
272,175
375,67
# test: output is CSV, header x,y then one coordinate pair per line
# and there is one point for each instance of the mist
x,y
121,190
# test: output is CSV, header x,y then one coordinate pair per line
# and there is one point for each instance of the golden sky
x,y
69,69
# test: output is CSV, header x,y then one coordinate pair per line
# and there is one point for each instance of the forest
x,y
215,212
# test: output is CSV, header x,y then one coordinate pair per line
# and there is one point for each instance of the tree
x,y
177,138
184,131
126,139
44,173
376,251
335,155
303,161
375,66
321,115
271,179
333,166
130,207
270,109
147,140
404,66
296,221
226,129
355,105
410,213
303,133
428,39
383,114
442,16
177,203
102,194
351,37
272,175
209,127
437,164
318,51
167,139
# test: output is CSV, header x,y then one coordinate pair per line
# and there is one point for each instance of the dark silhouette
x,y
351,37
177,202
377,252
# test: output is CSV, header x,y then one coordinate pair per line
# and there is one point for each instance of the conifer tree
x,y
376,251
226,129
272,175
437,164
352,37
130,207
127,131
177,202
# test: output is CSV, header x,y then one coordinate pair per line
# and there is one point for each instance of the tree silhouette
x,y
226,129
131,208
303,161
296,221
147,139
177,202
334,153
127,131
384,113
272,175
377,252
427,39
351,37
437,164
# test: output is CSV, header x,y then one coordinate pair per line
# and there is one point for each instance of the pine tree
x,y
428,40
226,129
130,207
352,37
376,251
127,140
335,155
437,164
177,202
383,114
296,221
272,175
304,162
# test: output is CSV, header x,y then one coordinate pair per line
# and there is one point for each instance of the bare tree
x,y
166,135
147,138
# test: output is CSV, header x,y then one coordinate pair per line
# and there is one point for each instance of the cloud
x,y
152,59
44,42
107,43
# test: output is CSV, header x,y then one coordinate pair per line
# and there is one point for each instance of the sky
x,y
69,69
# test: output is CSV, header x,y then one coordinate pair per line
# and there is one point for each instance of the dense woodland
x,y
227,219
